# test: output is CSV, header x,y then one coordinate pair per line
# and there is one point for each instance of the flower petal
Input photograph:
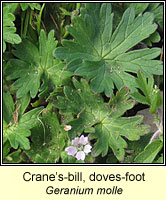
x,y
75,141
83,140
71,150
67,127
80,155
87,148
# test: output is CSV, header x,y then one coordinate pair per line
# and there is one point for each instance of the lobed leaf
x,y
151,94
150,152
35,64
33,6
9,29
11,6
47,142
157,10
135,147
8,107
139,7
17,133
103,56
103,120
10,157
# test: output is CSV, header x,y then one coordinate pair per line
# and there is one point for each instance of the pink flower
x,y
75,141
80,155
87,148
83,140
71,150
80,148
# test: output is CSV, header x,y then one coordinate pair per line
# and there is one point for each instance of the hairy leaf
x,y
154,8
154,38
34,64
17,133
160,159
8,157
11,6
17,127
9,29
33,6
103,56
103,121
157,10
8,107
150,152
139,7
135,147
152,95
6,149
47,142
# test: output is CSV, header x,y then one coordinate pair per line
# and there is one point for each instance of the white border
x,y
1,164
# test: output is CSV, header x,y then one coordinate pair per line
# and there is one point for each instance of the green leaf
x,y
23,102
160,159
36,64
136,147
154,38
151,94
65,12
10,157
89,111
49,141
118,10
157,10
104,57
6,149
11,6
153,8
66,158
18,137
9,29
13,157
8,107
111,159
24,6
18,132
139,7
150,152
33,6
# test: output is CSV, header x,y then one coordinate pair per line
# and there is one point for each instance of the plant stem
x,y
161,57
78,6
22,22
39,18
26,23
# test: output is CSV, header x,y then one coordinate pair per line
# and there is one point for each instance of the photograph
x,y
83,83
